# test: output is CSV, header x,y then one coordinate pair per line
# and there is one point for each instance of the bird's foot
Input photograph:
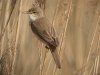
x,y
47,47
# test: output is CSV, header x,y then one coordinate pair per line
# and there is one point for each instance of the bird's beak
x,y
26,12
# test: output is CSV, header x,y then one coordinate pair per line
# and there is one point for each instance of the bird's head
x,y
35,12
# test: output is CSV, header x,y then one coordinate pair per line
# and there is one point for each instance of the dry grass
x,y
77,23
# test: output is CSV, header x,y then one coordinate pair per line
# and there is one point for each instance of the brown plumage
x,y
41,26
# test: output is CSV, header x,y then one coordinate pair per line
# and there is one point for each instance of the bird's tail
x,y
56,58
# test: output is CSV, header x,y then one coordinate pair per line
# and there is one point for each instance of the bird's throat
x,y
33,17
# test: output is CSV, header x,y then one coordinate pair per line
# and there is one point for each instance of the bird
x,y
44,30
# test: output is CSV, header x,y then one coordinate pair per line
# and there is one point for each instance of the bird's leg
x,y
47,47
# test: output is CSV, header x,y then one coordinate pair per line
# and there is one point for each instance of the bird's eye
x,y
34,12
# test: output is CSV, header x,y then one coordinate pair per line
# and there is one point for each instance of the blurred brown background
x,y
77,23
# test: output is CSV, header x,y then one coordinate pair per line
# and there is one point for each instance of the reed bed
x,y
77,24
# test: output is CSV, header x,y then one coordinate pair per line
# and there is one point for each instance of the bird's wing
x,y
44,30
